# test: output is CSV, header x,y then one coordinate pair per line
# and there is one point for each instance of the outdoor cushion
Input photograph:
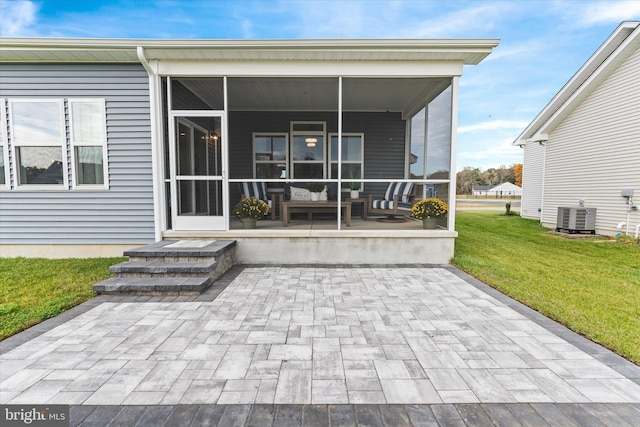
x,y
296,193
388,204
304,194
402,189
330,193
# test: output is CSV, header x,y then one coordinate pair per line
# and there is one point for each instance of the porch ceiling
x,y
404,95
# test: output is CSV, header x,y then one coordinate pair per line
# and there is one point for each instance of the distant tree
x,y
467,178
517,171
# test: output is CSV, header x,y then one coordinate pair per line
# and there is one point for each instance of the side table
x,y
364,202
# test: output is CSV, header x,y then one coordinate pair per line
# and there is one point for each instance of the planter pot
x,y
354,194
315,197
429,223
248,222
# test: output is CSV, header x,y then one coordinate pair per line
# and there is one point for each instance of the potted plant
x,y
249,210
354,186
429,210
315,188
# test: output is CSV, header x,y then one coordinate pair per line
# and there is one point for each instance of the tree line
x,y
470,177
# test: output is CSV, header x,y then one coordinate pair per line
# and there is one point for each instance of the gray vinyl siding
x,y
532,174
595,152
384,136
122,214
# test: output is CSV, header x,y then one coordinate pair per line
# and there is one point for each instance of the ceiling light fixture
x,y
311,142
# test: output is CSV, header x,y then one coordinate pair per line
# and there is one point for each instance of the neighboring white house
x,y
480,190
505,189
583,148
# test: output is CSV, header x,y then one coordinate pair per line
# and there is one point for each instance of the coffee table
x,y
297,206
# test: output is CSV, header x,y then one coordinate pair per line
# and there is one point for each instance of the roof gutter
x,y
156,144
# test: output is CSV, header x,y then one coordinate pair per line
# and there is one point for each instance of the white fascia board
x,y
578,84
468,51
309,68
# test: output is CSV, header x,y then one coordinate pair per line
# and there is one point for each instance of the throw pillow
x,y
296,193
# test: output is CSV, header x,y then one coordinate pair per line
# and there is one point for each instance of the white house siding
x,y
123,214
595,152
532,176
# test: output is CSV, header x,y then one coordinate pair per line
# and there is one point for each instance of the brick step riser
x,y
161,275
173,259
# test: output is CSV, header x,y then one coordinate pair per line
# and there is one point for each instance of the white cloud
x,y
484,155
606,12
494,125
16,17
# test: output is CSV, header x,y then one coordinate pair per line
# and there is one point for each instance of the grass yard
x,y
590,285
35,289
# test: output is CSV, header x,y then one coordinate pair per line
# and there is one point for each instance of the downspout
x,y
156,149
544,169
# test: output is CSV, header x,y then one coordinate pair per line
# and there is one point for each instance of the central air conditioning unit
x,y
576,220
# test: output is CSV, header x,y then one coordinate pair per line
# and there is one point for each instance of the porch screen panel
x,y
197,93
439,136
352,157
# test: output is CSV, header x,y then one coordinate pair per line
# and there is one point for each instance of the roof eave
x,y
468,51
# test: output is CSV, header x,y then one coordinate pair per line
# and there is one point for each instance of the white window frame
x,y
322,133
4,143
347,162
73,143
62,143
274,162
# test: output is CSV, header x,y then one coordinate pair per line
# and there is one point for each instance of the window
x,y
39,140
308,150
4,154
270,155
352,156
88,141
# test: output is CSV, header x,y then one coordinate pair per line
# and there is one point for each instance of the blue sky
x,y
543,43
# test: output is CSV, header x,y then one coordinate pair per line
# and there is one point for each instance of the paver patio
x,y
314,335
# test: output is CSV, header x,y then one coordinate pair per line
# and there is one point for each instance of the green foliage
x,y
35,289
315,187
355,185
507,207
590,285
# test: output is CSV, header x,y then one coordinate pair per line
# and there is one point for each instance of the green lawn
x,y
35,289
591,285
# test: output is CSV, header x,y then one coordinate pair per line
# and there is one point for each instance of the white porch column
x,y
454,148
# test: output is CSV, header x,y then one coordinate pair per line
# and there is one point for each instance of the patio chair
x,y
258,190
396,201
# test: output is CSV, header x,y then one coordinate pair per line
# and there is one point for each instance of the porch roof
x,y
465,51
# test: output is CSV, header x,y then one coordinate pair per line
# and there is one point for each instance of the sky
x,y
542,43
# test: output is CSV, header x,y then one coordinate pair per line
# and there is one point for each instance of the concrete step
x,y
170,267
153,286
163,267
181,250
